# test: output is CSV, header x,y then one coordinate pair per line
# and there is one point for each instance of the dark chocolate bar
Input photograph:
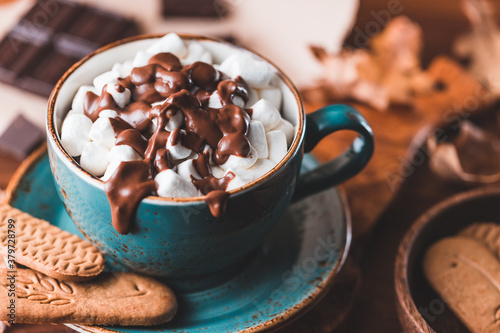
x,y
53,35
194,8
21,138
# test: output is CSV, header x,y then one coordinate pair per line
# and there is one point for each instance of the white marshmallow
x,y
275,80
75,133
121,98
257,138
237,100
77,105
237,162
170,43
273,95
108,113
253,97
261,167
70,113
177,151
217,171
110,170
141,59
122,70
206,58
287,128
94,158
243,177
176,120
171,185
102,132
123,153
192,156
266,113
103,79
255,72
186,169
215,102
196,52
278,148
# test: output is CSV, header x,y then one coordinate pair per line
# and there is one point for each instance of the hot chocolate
x,y
171,123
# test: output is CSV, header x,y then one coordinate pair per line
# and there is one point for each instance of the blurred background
x,y
36,48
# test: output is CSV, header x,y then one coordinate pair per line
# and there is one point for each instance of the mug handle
x,y
320,124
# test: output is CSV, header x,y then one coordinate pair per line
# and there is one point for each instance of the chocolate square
x,y
51,37
21,138
194,8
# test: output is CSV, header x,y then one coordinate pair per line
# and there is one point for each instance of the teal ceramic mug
x,y
178,238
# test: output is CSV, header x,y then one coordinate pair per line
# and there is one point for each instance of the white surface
x,y
274,28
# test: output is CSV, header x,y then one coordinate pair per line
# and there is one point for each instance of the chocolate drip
x,y
161,138
182,89
93,104
163,160
147,93
217,202
233,122
127,83
134,139
228,89
168,83
143,75
130,183
137,115
197,120
193,142
203,96
208,182
119,125
202,166
203,76
166,60
211,183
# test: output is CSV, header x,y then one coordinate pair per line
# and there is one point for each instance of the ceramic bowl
x,y
420,309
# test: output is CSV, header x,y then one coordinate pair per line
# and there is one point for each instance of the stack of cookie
x,y
52,276
465,271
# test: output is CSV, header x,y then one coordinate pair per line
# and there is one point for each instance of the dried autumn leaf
x,y
482,44
472,158
390,72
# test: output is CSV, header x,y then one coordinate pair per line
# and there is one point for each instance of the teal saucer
x,y
279,282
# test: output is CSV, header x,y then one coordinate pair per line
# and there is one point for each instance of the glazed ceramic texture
x,y
178,238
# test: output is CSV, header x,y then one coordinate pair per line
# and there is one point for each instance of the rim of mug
x,y
76,168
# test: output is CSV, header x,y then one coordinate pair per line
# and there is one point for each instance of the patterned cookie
x,y
467,276
46,248
124,299
487,233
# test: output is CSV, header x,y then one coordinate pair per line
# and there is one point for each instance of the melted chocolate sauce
x,y
180,89
93,104
217,201
134,139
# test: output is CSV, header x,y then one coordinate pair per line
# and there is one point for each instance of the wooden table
x,y
373,309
